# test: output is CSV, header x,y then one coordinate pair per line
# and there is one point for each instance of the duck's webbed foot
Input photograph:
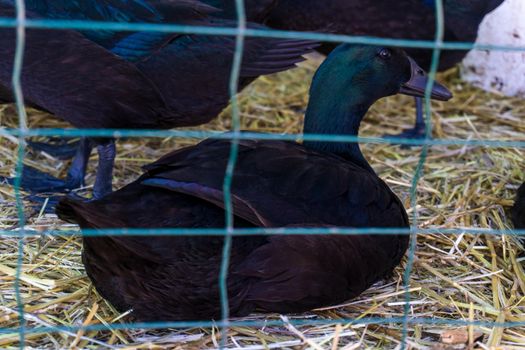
x,y
419,129
42,186
417,132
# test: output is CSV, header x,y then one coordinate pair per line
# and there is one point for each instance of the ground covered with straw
x,y
460,277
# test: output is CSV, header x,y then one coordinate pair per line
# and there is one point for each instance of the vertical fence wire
x,y
440,29
22,122
230,167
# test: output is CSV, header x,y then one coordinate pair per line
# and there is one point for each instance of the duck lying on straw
x,y
275,184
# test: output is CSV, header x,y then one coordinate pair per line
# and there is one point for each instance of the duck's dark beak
x,y
418,82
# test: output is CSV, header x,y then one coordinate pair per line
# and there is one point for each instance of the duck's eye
x,y
384,54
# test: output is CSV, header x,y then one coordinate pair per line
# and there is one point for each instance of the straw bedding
x,y
460,277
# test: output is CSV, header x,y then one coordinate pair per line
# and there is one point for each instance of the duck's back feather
x,y
299,185
403,19
129,11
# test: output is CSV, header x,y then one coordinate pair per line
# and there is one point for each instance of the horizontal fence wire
x,y
241,32
258,231
250,32
247,135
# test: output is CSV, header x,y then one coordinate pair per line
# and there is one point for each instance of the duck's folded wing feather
x,y
292,272
193,71
267,56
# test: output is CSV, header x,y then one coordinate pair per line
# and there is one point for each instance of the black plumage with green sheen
x,y
275,184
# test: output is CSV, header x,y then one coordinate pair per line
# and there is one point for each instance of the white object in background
x,y
503,71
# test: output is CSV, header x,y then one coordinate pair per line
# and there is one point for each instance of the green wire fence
x,y
240,32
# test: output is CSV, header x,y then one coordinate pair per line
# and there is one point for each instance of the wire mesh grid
x,y
240,32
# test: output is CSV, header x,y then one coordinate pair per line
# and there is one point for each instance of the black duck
x,y
275,184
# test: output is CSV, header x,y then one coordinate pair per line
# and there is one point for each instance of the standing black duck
x,y
399,19
275,184
129,80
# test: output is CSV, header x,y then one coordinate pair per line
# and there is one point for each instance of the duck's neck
x,y
332,117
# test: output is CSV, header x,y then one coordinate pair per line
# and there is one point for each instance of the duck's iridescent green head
x,y
362,74
349,81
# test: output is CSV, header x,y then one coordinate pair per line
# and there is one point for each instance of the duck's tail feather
x,y
65,210
83,213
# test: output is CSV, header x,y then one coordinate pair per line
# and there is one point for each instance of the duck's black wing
x,y
278,183
78,80
193,71
174,80
298,273
518,210
275,184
